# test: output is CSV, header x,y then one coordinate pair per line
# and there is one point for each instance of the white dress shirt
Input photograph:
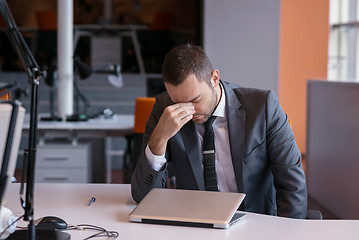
x,y
226,180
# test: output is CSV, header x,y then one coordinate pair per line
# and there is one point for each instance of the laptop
x,y
189,208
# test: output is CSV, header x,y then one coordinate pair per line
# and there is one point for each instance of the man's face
x,y
203,96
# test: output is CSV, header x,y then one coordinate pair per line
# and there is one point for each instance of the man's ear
x,y
215,78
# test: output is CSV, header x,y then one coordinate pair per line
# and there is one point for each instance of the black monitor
x,y
5,116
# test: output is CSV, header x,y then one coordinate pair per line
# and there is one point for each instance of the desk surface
x,y
114,203
117,126
117,122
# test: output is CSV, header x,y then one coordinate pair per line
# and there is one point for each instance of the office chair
x,y
6,96
311,213
314,214
143,108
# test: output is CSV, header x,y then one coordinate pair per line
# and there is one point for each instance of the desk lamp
x,y
34,75
113,70
82,72
51,81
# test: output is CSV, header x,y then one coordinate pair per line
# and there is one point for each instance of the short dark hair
x,y
184,60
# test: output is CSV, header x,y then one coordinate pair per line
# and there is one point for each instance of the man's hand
x,y
171,121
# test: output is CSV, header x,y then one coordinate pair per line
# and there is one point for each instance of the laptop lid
x,y
188,208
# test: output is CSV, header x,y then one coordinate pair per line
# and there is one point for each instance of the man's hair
x,y
184,60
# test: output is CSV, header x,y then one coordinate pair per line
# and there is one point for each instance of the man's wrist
x,y
156,161
157,146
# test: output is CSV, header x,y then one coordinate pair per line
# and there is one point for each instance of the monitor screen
x,y
5,116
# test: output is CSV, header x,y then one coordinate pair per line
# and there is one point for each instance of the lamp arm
x,y
17,41
33,73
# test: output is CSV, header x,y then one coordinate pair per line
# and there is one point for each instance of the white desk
x,y
114,203
118,126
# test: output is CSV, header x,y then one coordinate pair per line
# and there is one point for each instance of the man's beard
x,y
211,107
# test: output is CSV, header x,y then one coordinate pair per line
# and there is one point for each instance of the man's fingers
x,y
171,121
186,119
185,113
174,117
180,110
179,107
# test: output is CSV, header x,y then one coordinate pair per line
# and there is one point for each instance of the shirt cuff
x,y
156,161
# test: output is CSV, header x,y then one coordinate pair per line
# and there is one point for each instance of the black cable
x,y
110,234
10,225
102,231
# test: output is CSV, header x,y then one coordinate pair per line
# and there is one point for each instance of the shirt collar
x,y
221,107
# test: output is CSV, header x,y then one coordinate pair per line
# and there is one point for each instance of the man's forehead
x,y
184,100
184,92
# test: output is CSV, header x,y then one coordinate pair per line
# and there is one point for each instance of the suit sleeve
x,y
286,162
144,177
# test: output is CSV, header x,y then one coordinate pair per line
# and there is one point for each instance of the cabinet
x,y
63,163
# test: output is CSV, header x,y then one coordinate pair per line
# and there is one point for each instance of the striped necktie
x,y
210,176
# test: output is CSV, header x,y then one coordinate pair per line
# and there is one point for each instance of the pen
x,y
93,199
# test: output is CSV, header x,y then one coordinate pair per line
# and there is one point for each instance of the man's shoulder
x,y
241,92
162,101
163,97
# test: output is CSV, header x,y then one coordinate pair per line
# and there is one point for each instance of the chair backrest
x,y
143,110
6,96
313,214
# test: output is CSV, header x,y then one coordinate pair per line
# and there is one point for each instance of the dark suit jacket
x,y
266,160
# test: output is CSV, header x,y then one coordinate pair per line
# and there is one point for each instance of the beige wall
x,y
303,55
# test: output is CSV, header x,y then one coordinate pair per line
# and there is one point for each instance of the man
x,y
255,150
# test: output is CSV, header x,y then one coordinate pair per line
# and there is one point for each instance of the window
x,y
343,54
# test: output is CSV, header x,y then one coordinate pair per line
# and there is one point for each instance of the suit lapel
x,y
236,130
192,147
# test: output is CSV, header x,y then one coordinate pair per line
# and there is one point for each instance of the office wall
x,y
270,44
304,33
241,37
